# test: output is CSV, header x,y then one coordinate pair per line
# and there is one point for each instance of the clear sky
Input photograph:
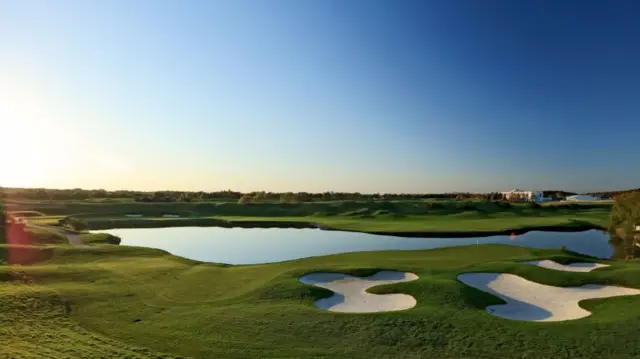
x,y
343,95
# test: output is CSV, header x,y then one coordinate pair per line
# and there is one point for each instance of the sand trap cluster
x,y
532,301
573,267
350,292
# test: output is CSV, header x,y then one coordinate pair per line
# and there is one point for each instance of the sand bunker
x,y
532,301
134,215
171,216
573,267
350,292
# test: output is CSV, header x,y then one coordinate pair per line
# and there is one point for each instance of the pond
x,y
264,245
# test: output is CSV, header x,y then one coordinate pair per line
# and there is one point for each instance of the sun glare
x,y
32,148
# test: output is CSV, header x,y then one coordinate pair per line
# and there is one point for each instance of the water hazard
x,y
264,245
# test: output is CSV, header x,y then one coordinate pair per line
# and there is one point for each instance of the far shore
x,y
395,218
303,224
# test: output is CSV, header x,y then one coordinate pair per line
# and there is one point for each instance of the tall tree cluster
x,y
625,213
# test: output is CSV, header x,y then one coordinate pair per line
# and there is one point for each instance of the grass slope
x,y
465,221
401,217
35,323
147,298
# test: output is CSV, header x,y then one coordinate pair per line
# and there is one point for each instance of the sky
x,y
331,95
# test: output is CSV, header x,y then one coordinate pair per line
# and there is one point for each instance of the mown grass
x,y
377,216
465,221
132,298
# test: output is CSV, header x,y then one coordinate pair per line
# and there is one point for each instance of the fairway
x,y
128,302
403,218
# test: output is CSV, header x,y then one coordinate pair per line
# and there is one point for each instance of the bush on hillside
x,y
74,223
504,204
245,199
533,205
433,205
465,205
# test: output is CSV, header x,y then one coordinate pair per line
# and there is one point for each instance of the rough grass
x,y
144,298
35,323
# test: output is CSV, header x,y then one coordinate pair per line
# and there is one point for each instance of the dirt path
x,y
73,238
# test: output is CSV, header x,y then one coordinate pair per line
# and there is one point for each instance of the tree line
x,y
187,196
247,197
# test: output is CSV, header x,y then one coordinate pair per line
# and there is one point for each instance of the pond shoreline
x,y
214,222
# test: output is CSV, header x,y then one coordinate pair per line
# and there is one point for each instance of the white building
x,y
516,194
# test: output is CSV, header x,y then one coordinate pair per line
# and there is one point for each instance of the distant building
x,y
582,197
522,195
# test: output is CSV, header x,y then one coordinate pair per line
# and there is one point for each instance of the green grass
x,y
119,301
400,217
368,216
26,213
36,324
466,221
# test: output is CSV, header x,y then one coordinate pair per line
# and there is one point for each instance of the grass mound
x,y
141,298
38,323
384,214
358,212
26,213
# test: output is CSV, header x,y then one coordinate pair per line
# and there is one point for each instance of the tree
x,y
285,197
258,197
625,213
245,199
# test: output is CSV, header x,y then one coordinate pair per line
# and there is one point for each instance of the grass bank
x,y
404,218
119,301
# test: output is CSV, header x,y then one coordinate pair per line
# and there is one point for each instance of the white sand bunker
x,y
531,301
573,267
171,216
350,292
134,215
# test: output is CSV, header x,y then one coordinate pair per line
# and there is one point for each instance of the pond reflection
x,y
265,245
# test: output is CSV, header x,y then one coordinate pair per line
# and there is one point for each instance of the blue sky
x,y
384,96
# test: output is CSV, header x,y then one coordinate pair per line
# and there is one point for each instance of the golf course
x,y
319,180
70,293
421,218
118,301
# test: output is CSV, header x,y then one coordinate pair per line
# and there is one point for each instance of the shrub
x,y
245,199
76,224
504,204
465,205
